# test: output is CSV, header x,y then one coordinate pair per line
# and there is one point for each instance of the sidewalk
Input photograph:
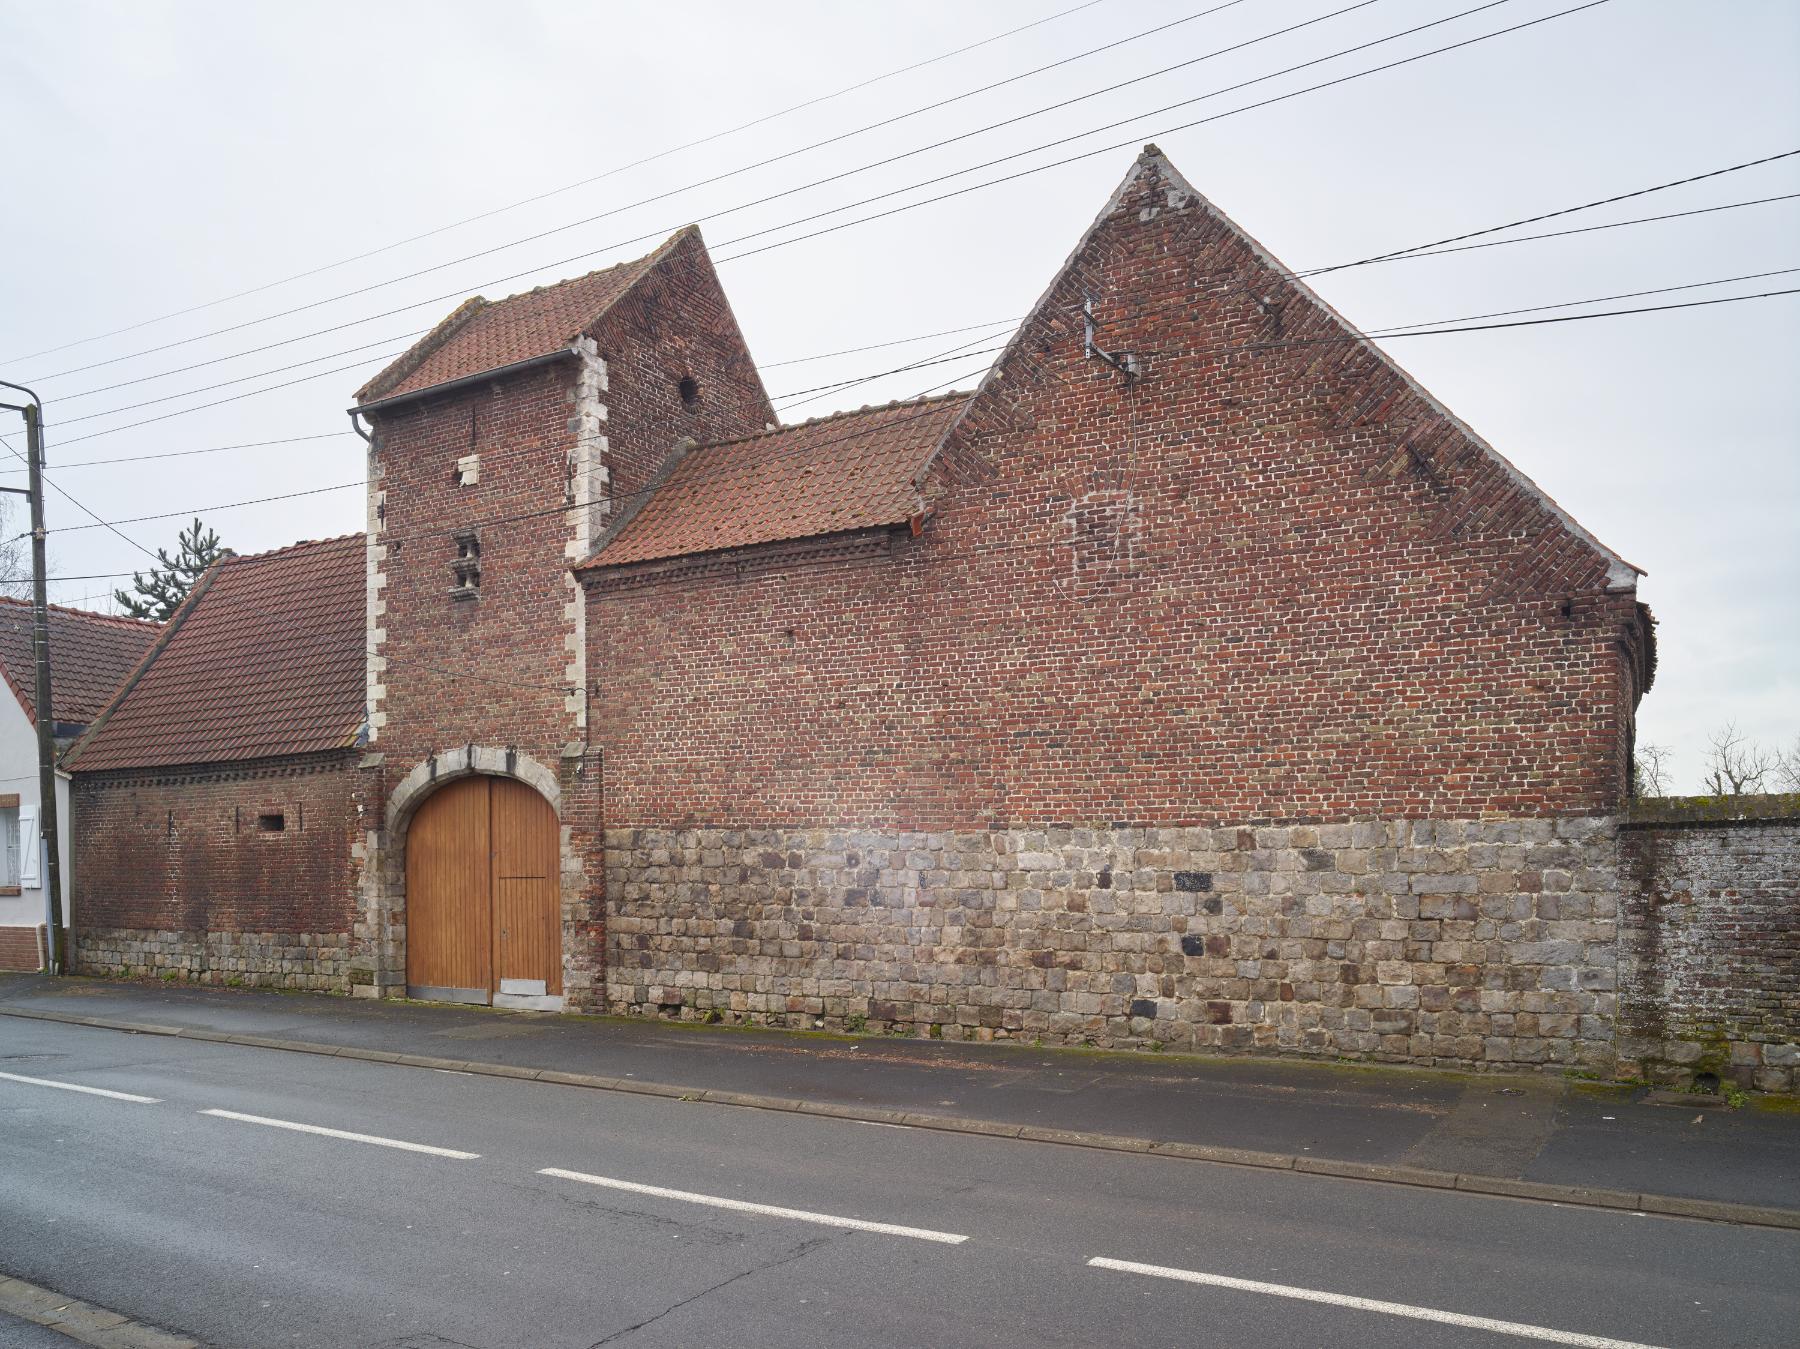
x,y
1542,1130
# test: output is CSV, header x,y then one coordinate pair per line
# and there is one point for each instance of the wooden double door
x,y
483,910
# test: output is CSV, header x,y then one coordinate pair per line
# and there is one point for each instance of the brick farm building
x,y
1199,679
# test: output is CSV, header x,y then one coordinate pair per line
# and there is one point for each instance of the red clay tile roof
x,y
90,655
854,470
482,335
267,660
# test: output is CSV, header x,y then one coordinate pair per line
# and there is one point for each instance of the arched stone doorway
x,y
483,895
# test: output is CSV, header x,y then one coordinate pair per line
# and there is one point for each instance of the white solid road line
x,y
86,1091
1366,1304
766,1210
376,1139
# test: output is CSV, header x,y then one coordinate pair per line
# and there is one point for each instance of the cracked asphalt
x,y
335,1203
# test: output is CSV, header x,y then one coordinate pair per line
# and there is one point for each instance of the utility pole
x,y
40,645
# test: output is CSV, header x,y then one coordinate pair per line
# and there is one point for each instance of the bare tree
x,y
1737,765
1787,767
1650,770
15,554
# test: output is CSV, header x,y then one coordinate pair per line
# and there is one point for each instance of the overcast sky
x,y
165,156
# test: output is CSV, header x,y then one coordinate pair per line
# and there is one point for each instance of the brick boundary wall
x,y
21,948
173,874
1455,943
1709,940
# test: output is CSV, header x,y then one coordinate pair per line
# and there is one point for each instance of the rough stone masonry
x,y
1452,942
1457,944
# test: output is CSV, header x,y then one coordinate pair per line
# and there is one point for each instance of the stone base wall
x,y
318,961
1709,941
1447,942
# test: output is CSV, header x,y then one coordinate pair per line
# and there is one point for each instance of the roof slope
x,y
265,660
854,470
482,335
90,655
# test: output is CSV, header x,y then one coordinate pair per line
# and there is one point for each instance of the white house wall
x,y
19,773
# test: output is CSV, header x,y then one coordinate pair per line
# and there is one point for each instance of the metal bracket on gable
x,y
1124,362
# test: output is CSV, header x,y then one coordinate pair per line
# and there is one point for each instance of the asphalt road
x,y
250,1232
17,1334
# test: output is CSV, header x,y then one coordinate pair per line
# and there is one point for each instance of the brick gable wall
x,y
1168,630
675,324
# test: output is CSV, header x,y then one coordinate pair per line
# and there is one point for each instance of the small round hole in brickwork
x,y
690,393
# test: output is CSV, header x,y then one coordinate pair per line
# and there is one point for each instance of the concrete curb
x,y
1579,1196
83,1320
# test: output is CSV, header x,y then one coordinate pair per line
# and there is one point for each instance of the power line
x,y
1108,149
1428,252
541,196
896,342
1389,335
1135,117
975,187
217,402
1597,299
182,454
1418,250
260,374
67,496
759,201
1397,328
716,178
210,510
1551,215
941,358
206,388
1020,318
813,447
1422,251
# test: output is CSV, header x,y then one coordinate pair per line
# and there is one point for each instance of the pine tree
x,y
161,592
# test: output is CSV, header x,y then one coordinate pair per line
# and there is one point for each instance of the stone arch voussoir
x,y
433,772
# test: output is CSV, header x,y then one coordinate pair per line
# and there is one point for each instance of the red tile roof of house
x,y
265,658
90,655
481,335
854,470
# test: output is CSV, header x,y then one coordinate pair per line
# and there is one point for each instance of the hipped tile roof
x,y
482,335
855,470
266,659
90,655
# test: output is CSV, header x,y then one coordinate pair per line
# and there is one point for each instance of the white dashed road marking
x,y
1365,1304
766,1210
86,1091
345,1134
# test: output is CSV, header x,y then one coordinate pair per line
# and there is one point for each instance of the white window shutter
x,y
29,847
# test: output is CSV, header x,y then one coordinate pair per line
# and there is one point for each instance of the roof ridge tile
x,y
122,620
865,410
